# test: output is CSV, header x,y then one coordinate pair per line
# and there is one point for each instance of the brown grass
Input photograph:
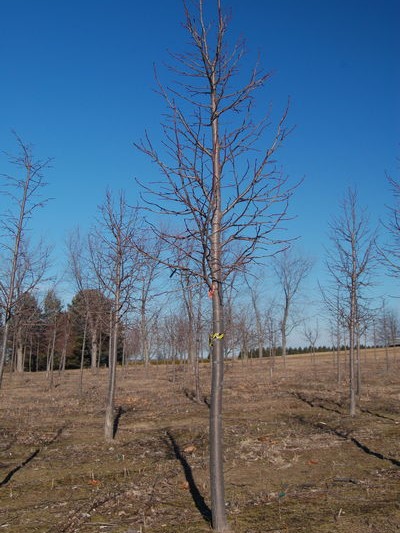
x,y
294,460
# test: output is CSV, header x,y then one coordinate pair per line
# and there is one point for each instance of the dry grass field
x,y
295,462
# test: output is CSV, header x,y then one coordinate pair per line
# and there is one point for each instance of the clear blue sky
x,y
77,81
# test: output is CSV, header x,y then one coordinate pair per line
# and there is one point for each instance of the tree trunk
x,y
351,353
20,354
338,365
283,329
37,355
63,359
198,347
93,352
82,357
143,332
358,365
216,430
114,321
217,484
30,354
3,354
51,362
100,350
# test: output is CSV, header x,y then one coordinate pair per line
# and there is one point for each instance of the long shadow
x,y
315,403
11,473
192,397
197,497
378,415
18,467
120,412
345,436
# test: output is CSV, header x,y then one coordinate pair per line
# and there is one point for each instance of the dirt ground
x,y
295,462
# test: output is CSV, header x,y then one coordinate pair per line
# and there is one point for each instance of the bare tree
x,y
387,330
87,285
191,291
24,265
65,323
291,269
115,263
254,290
191,296
243,324
272,332
393,323
146,278
311,334
52,312
220,179
334,307
350,262
25,316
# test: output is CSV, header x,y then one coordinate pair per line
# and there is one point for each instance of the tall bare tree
x,y
218,176
89,294
387,329
272,333
23,265
332,300
52,313
25,319
350,262
115,263
146,278
291,269
311,334
255,293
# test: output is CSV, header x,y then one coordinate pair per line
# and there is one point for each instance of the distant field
x,y
294,460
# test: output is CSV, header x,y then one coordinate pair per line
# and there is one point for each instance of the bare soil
x,y
295,462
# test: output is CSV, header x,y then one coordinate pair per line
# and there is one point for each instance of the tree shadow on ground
x,y
191,395
21,465
117,417
197,497
30,458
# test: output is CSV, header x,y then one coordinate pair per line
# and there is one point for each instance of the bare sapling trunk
x,y
352,383
94,352
358,364
82,363
112,372
216,428
144,332
283,332
217,484
20,353
311,335
4,346
338,363
52,354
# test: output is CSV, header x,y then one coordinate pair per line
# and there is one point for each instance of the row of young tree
x,y
224,199
122,308
44,336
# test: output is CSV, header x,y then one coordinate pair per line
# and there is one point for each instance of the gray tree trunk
x,y
219,521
